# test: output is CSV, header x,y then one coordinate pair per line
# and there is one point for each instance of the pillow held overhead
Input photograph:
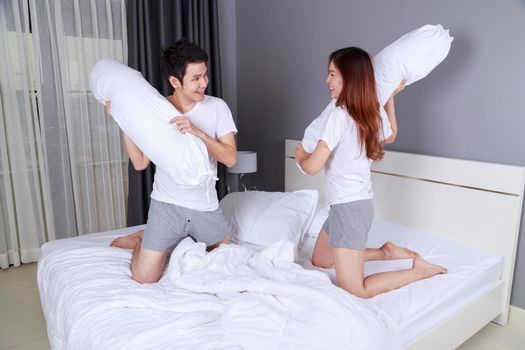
x,y
411,57
144,115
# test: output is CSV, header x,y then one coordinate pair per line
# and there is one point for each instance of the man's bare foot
x,y
129,241
393,251
426,269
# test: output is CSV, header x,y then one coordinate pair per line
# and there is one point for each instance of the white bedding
x,y
420,306
231,298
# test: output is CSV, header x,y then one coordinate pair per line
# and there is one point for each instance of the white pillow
x,y
320,216
144,115
263,218
411,57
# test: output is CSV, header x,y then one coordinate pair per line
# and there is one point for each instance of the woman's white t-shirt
x,y
348,168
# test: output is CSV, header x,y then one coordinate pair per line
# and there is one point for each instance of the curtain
x,y
26,214
152,26
86,160
62,164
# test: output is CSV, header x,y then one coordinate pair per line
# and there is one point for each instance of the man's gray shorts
x,y
348,224
168,224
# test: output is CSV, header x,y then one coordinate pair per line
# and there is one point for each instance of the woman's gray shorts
x,y
168,224
348,224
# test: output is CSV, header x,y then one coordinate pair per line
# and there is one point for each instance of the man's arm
x,y
136,156
224,149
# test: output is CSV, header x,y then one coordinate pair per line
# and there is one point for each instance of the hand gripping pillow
x,y
144,115
411,57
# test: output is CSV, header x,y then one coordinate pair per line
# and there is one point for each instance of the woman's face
x,y
334,81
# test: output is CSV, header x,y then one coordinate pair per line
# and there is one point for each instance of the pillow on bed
x,y
263,218
144,115
320,216
411,57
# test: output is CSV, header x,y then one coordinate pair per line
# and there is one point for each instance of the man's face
x,y
195,82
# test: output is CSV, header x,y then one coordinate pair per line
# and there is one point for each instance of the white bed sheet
x,y
420,306
230,298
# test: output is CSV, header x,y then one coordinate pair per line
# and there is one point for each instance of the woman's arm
x,y
391,112
312,163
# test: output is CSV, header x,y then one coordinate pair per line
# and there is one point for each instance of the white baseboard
x,y
517,316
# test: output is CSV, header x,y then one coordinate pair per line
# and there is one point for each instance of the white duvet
x,y
230,298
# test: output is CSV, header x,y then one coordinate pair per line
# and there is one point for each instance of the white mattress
x,y
420,306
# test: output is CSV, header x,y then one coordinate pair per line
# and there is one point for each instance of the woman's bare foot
x,y
129,241
393,251
426,269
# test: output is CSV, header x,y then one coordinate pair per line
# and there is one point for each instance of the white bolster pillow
x,y
144,114
411,57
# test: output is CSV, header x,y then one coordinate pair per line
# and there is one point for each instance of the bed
x,y
237,297
473,203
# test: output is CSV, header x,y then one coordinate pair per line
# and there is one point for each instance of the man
x,y
177,212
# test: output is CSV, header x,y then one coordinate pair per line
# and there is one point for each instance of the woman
x,y
349,143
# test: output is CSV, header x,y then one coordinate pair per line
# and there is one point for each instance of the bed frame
x,y
472,202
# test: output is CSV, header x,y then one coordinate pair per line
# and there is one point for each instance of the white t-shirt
x,y
312,132
213,117
348,168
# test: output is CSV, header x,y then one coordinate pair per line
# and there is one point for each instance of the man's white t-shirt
x,y
348,168
213,117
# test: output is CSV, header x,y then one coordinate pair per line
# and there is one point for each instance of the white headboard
x,y
473,202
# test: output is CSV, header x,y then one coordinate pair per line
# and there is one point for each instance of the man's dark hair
x,y
175,59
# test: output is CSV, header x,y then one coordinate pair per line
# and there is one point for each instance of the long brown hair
x,y
359,97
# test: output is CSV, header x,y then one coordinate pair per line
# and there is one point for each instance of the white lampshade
x,y
246,163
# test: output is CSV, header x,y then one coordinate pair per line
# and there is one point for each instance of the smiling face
x,y
193,85
334,81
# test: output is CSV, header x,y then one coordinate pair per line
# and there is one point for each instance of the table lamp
x,y
246,163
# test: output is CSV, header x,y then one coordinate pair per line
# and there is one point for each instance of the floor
x,y
23,327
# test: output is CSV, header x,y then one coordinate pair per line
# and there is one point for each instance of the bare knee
x,y
144,278
323,262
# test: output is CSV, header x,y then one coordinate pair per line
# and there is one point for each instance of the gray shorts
x,y
348,224
168,224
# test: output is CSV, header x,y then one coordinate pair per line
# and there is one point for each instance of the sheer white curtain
x,y
62,164
86,162
26,214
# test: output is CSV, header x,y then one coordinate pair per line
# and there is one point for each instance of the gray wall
x,y
471,106
228,53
